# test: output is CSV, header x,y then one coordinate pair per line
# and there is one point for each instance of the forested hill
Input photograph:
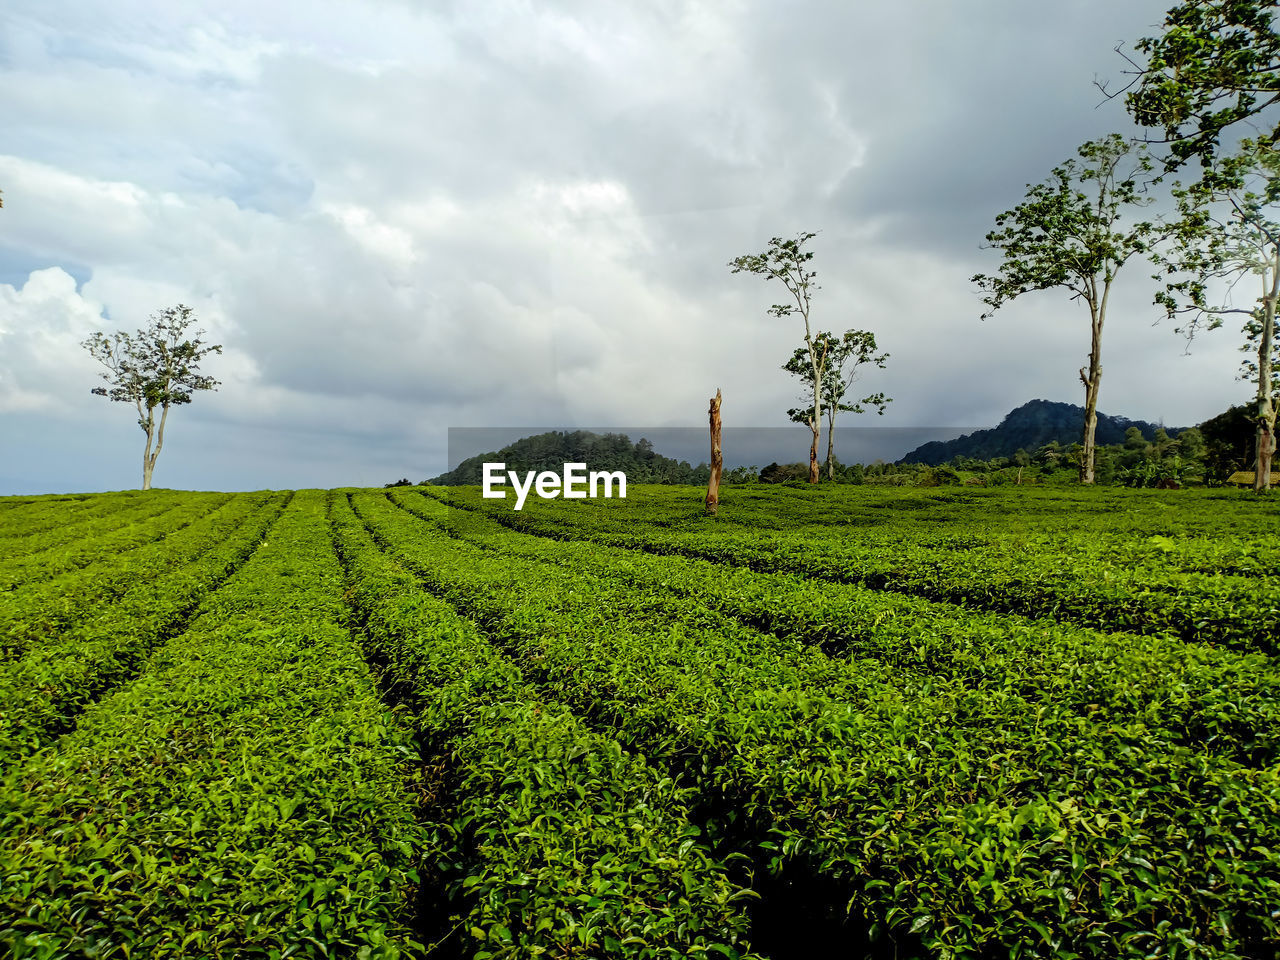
x,y
552,450
1030,427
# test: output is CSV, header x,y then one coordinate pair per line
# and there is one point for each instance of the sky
x,y
399,217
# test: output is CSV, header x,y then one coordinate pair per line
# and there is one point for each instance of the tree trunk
x,y
1091,378
148,462
814,471
818,363
155,454
1266,450
717,461
831,444
1090,428
1266,439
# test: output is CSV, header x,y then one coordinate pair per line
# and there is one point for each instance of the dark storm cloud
x,y
982,105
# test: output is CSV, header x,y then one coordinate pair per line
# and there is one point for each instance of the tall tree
x,y
1216,64
845,357
786,260
156,368
1061,236
1225,231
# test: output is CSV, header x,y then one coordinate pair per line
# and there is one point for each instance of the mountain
x,y
1030,427
553,449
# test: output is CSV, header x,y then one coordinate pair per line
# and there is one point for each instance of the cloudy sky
x,y
400,216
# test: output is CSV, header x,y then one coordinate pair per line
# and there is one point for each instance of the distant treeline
x,y
1030,427
1208,454
1146,456
552,450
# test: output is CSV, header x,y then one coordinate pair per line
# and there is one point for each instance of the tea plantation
x,y
831,722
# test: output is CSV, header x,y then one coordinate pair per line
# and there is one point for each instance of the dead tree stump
x,y
717,461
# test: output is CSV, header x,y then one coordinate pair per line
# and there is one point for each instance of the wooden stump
x,y
717,461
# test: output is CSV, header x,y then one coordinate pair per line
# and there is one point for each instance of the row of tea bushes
x,y
58,524
93,545
1054,577
25,520
49,685
1197,695
551,840
953,819
243,798
35,611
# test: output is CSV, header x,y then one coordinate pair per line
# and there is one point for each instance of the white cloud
x,y
383,240
42,365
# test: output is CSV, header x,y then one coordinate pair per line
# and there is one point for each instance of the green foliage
x,y
64,655
57,514
1210,596
814,750
1217,64
781,473
940,476
244,797
1152,473
1228,443
159,367
1039,722
1223,230
558,841
1061,237
842,358
1243,240
786,261
741,474
35,549
1068,233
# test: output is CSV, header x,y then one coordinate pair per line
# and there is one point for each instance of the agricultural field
x,y
841,721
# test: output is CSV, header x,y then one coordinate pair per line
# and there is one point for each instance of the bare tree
x,y
717,459
157,367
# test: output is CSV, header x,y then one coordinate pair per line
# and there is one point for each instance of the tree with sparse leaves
x,y
786,260
1226,230
844,357
1068,233
156,368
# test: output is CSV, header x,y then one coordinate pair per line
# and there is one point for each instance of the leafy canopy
x,y
156,367
1060,236
1216,64
1226,230
842,358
